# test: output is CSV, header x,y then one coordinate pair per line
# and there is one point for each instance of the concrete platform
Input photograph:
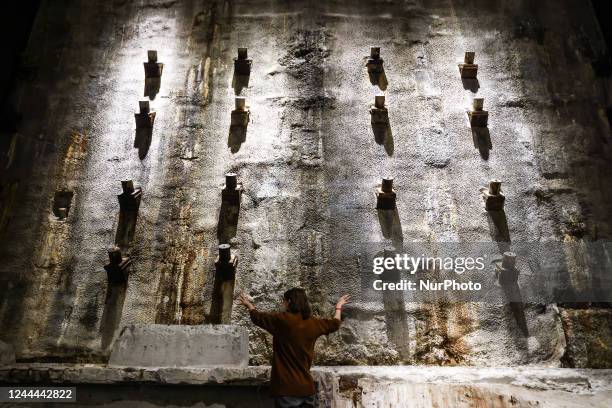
x,y
160,345
359,386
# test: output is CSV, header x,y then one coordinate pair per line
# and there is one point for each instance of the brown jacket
x,y
293,349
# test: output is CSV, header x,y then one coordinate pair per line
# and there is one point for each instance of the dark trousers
x,y
295,402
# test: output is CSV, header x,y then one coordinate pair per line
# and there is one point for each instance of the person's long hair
x,y
298,302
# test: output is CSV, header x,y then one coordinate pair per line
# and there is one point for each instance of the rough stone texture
x,y
103,374
158,345
309,165
423,387
587,333
7,354
340,387
382,393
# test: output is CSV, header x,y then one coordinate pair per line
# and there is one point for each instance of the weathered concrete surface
x,y
344,387
7,354
159,345
309,166
587,331
103,374
424,387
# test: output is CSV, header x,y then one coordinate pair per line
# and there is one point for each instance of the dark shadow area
x,y
129,203
512,291
391,226
601,279
395,314
152,86
222,300
507,274
58,308
228,222
236,137
15,150
10,120
471,84
498,227
598,292
602,11
62,202
111,316
12,287
141,394
383,136
528,25
379,79
389,146
8,195
380,131
223,287
482,141
602,65
142,141
239,82
478,120
17,21
559,278
126,228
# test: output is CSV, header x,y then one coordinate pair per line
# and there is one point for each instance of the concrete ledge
x,y
159,345
102,374
424,386
541,378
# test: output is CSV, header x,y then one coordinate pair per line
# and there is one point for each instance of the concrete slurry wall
x,y
309,165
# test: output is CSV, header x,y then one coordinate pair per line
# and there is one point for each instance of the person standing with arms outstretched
x,y
294,332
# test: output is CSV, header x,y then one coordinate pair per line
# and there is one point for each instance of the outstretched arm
x,y
327,326
341,302
267,321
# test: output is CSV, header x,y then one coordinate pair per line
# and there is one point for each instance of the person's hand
x,y
344,299
244,300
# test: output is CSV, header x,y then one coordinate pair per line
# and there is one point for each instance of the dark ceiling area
x,y
16,23
603,12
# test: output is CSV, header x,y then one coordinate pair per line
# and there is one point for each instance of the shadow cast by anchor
x,y
227,224
152,86
391,226
482,141
498,228
113,310
512,291
142,141
384,136
126,228
236,137
239,82
396,323
379,79
471,84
